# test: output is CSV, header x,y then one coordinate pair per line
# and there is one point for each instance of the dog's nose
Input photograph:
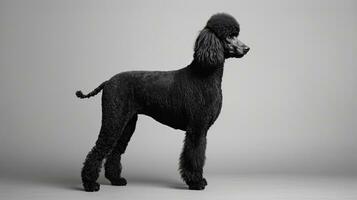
x,y
246,49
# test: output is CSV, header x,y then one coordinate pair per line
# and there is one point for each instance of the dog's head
x,y
218,41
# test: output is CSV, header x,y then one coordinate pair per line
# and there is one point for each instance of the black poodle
x,y
188,99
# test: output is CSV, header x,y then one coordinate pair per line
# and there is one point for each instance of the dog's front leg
x,y
193,158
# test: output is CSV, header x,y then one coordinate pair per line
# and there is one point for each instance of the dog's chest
x,y
214,103
207,102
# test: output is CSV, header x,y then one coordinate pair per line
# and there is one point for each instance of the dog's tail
x,y
80,95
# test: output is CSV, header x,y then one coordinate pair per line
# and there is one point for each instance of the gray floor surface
x,y
249,186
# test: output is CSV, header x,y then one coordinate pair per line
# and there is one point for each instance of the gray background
x,y
290,105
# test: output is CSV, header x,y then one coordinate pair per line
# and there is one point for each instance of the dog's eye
x,y
232,35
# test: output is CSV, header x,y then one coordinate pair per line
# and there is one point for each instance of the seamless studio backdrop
x,y
290,105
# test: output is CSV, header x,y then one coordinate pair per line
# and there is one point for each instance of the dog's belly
x,y
168,118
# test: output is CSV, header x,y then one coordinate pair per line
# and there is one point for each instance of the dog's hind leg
x,y
113,165
113,123
193,158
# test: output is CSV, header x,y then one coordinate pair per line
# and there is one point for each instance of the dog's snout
x,y
246,49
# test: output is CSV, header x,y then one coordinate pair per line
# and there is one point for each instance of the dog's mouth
x,y
241,51
236,53
239,55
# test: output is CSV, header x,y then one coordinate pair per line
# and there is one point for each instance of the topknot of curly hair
x,y
223,25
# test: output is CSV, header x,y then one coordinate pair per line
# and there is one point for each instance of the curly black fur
x,y
188,99
223,25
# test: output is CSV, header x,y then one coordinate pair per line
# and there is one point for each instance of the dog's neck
x,y
213,73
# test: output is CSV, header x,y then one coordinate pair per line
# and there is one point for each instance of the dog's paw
x,y
91,187
118,182
196,187
200,185
204,181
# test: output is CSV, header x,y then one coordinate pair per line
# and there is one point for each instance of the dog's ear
x,y
209,50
